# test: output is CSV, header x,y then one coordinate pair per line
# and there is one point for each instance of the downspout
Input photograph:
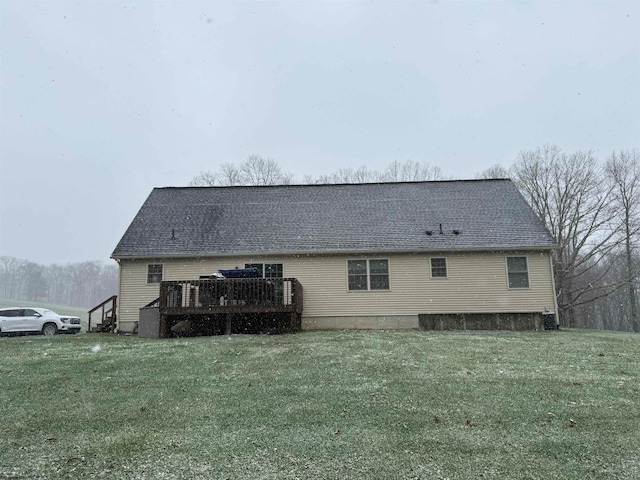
x,y
553,286
117,312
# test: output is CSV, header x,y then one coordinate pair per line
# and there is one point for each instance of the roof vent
x,y
429,232
457,232
441,232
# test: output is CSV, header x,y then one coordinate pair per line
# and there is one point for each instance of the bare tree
x,y
364,175
82,284
411,171
9,276
343,175
321,180
609,312
393,172
623,170
229,175
34,286
204,179
494,171
571,196
256,170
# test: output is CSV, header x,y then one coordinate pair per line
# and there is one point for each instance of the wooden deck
x,y
233,302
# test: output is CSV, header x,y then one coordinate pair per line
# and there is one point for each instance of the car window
x,y
14,312
28,312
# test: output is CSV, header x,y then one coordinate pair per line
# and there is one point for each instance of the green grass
x,y
402,405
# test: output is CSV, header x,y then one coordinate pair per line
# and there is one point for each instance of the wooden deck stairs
x,y
107,321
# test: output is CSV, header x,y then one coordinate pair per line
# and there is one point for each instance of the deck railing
x,y
241,295
107,321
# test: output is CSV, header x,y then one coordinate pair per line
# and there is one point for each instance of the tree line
x,y
590,205
84,284
256,170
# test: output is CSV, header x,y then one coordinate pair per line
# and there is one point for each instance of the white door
x,y
30,320
10,320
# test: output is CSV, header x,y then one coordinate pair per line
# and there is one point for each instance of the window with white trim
x,y
439,267
267,270
154,273
368,274
518,272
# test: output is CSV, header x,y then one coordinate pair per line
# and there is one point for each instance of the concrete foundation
x,y
385,322
482,321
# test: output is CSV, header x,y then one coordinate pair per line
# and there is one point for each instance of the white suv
x,y
36,320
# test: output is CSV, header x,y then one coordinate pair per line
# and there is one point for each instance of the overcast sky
x,y
102,101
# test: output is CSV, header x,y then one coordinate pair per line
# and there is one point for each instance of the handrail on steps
x,y
154,304
104,313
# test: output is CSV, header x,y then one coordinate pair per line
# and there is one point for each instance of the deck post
x,y
227,330
162,327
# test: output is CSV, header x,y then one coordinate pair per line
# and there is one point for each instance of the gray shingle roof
x,y
386,217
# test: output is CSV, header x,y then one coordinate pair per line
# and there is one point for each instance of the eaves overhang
x,y
349,251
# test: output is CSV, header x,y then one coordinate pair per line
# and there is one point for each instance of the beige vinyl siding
x,y
475,283
136,293
478,283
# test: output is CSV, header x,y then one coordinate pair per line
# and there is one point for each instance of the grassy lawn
x,y
403,405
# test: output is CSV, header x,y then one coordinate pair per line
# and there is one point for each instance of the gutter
x,y
254,253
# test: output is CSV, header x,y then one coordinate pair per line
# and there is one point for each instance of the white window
x,y
368,274
154,273
267,270
518,272
439,267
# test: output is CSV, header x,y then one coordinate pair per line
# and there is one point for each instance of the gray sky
x,y
102,101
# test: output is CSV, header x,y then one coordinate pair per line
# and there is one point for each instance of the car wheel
x,y
49,329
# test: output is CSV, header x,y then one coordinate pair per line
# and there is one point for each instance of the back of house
x,y
435,255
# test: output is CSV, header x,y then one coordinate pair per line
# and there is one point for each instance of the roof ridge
x,y
403,182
